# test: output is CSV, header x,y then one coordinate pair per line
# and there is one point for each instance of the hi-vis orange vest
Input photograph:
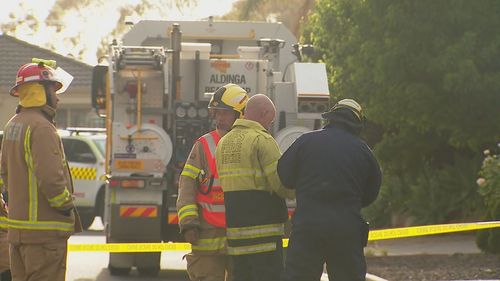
x,y
210,196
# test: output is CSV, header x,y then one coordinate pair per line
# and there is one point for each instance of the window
x,y
101,145
78,117
78,151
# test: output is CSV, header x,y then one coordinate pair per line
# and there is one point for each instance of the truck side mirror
x,y
99,86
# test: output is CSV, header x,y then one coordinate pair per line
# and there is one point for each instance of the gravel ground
x,y
436,267
436,257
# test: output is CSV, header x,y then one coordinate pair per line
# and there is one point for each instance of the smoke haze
x,y
80,27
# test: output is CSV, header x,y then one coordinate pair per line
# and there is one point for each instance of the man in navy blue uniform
x,y
334,174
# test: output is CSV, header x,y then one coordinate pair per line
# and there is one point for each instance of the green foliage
x,y
488,240
446,194
392,200
489,188
428,76
441,195
489,182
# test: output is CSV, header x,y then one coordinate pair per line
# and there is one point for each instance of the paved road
x,y
462,242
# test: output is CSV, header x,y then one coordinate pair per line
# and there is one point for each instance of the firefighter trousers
x,y
38,262
209,267
266,266
4,252
308,250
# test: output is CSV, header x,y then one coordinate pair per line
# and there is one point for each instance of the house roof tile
x,y
15,52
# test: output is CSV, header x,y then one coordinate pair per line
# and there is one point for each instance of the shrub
x,y
489,187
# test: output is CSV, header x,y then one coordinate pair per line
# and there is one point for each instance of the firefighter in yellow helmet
x,y
200,204
34,169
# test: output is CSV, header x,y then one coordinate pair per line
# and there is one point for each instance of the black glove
x,y
365,233
66,213
192,235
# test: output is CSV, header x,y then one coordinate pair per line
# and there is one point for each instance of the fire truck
x,y
153,94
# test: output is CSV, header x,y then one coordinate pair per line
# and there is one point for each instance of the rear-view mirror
x,y
99,88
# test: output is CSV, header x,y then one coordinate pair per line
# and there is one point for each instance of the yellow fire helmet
x,y
346,103
229,97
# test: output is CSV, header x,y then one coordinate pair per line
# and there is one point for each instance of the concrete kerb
x,y
369,277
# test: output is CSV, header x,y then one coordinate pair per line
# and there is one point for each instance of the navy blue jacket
x,y
334,174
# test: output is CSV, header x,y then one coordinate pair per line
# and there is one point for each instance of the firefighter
x,y
4,245
253,194
42,215
334,174
200,203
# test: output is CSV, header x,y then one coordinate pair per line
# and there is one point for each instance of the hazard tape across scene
x,y
413,231
381,234
129,247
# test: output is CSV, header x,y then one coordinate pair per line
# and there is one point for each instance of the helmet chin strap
x,y
48,98
222,130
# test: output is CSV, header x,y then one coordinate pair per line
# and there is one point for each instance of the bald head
x,y
260,109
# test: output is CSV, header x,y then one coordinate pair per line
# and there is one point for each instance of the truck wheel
x,y
100,204
87,220
118,271
148,271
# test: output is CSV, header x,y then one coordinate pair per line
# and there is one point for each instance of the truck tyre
x,y
99,204
118,271
87,220
148,271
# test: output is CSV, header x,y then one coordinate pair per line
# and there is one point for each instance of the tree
x,y
489,187
76,27
290,12
428,74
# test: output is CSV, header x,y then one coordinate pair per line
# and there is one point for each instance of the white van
x,y
85,152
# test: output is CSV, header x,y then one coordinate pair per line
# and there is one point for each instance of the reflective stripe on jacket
x,y
38,180
4,245
254,196
3,215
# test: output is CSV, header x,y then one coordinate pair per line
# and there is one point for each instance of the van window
x,y
101,145
78,151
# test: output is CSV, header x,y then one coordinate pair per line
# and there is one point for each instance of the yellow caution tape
x,y
413,231
381,234
129,247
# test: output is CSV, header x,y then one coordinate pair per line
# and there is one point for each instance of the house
x,y
74,109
